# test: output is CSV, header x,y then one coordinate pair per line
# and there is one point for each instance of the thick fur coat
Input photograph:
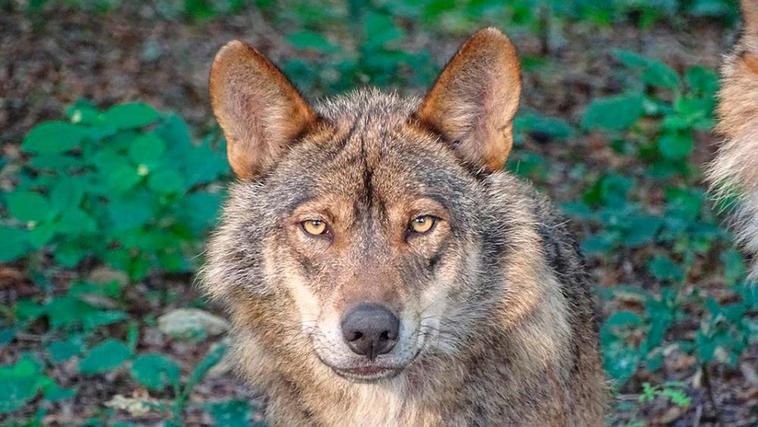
x,y
497,324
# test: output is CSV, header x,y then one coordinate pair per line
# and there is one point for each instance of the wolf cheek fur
x,y
472,302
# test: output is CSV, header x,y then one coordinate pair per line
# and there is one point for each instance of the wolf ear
x,y
258,109
474,99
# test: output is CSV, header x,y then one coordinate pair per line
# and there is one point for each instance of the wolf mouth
x,y
368,373
371,373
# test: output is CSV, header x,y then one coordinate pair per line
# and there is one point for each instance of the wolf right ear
x,y
474,99
258,109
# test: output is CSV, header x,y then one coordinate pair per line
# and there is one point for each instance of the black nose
x,y
370,329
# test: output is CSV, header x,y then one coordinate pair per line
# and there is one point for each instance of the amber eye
x,y
314,226
422,224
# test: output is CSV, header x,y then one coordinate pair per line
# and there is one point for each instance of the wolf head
x,y
361,232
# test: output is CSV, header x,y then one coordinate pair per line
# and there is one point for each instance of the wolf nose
x,y
370,329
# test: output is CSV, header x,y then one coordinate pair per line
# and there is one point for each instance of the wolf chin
x,y
734,171
380,267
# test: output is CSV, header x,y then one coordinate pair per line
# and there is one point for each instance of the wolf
x,y
734,171
379,266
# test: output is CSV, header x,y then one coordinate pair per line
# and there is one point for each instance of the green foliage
x,y
671,390
613,113
656,120
104,357
115,185
23,381
127,187
155,371
232,413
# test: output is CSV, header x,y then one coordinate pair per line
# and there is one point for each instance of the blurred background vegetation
x,y
113,171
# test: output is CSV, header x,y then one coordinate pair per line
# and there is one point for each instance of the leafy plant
x,y
23,381
656,120
117,186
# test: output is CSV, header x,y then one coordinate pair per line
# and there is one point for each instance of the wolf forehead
x,y
367,147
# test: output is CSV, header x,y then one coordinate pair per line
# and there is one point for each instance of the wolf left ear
x,y
474,99
258,109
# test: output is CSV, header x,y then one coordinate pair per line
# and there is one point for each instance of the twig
x,y
709,390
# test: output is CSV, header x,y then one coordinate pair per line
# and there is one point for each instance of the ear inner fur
x,y
474,99
259,110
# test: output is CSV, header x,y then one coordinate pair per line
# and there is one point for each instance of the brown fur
x,y
734,171
475,98
256,106
498,324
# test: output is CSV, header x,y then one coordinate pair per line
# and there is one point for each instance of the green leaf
x,y
122,177
641,230
16,243
200,210
176,134
54,137
661,75
702,80
155,371
623,318
734,265
130,116
129,212
631,59
55,393
95,319
147,149
613,113
620,360
380,29
76,221
67,311
214,355
551,127
313,41
63,350
69,254
599,243
675,146
202,164
20,383
83,112
104,357
232,413
41,234
654,72
28,206
66,193
166,181
663,268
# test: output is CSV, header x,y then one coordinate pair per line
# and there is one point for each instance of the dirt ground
x,y
48,61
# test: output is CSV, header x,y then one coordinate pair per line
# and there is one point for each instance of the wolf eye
x,y
422,224
314,227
